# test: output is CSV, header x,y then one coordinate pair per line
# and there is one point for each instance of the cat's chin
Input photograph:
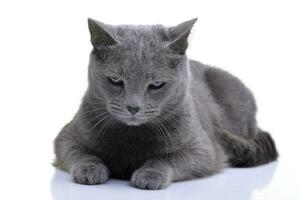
x,y
133,122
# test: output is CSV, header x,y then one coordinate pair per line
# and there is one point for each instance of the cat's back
x,y
203,101
197,75
224,97
197,69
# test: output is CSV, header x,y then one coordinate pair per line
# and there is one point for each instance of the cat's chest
x,y
127,147
123,152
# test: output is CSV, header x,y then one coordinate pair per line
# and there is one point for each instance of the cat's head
x,y
138,72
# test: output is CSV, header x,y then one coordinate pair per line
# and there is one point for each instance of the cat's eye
x,y
115,81
156,85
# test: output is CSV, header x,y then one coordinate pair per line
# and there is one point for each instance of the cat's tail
x,y
243,152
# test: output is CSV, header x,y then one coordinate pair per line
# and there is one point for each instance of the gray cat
x,y
153,116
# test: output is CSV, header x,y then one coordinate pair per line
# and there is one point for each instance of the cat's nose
x,y
133,109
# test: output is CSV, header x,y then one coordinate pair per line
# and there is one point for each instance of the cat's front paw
x,y
150,179
90,173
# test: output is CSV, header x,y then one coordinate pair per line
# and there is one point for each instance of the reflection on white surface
x,y
231,184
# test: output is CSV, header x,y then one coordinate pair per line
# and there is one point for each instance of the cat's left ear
x,y
179,35
100,34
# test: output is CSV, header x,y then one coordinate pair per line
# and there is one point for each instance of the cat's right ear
x,y
100,34
179,35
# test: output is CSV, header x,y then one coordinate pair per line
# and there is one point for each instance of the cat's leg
x,y
244,143
188,164
72,157
243,152
153,175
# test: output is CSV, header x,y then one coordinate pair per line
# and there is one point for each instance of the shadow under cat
x,y
229,185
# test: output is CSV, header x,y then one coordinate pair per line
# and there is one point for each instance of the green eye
x,y
156,85
115,81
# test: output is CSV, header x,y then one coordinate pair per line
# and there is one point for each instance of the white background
x,y
44,47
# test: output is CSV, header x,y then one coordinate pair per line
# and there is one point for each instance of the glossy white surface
x,y
44,49
230,185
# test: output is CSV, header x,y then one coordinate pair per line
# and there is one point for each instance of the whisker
x,y
102,119
95,117
150,111
116,108
104,128
171,122
100,132
160,131
115,104
93,110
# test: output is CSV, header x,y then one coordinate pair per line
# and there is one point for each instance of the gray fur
x,y
153,116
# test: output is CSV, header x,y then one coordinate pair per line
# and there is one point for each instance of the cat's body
x,y
199,124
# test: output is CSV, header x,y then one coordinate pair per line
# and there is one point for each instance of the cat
x,y
152,116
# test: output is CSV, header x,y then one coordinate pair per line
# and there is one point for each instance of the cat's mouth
x,y
133,121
